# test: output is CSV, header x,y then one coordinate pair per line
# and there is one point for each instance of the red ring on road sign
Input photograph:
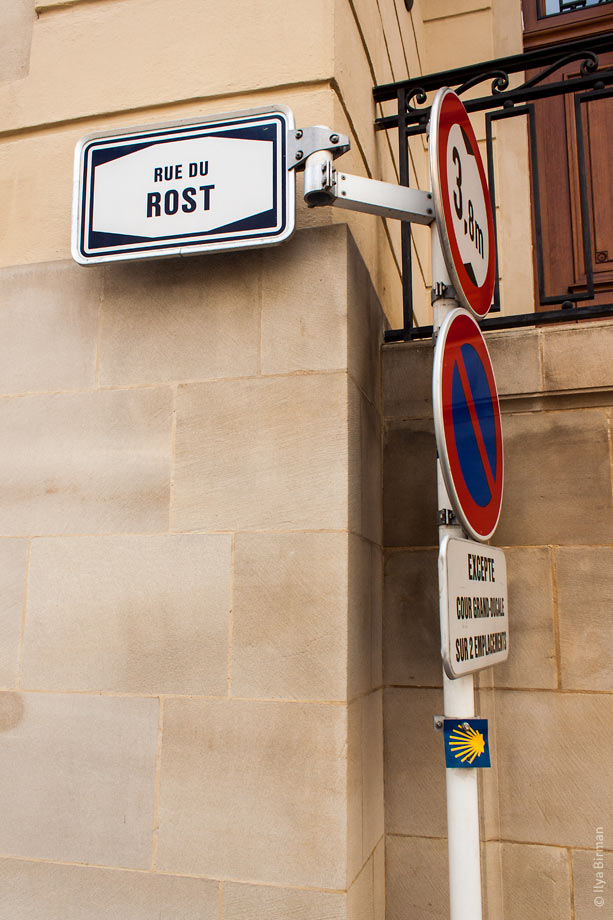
x,y
447,111
457,330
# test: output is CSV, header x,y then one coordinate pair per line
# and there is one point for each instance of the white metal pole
x,y
459,701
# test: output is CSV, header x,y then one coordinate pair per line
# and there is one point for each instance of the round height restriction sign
x,y
462,203
467,424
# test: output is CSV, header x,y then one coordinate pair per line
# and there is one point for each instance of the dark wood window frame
x,y
561,217
564,27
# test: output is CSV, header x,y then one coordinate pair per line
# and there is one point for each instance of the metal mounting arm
x,y
324,185
313,149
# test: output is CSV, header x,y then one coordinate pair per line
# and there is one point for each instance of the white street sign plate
x,y
473,606
184,187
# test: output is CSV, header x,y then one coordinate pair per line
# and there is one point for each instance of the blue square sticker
x,y
466,743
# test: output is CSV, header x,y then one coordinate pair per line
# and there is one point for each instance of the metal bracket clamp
x,y
440,290
446,517
439,721
315,148
303,142
324,185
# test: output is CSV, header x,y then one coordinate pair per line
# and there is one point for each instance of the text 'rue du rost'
x,y
171,200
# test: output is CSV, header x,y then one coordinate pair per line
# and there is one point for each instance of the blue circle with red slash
x,y
467,424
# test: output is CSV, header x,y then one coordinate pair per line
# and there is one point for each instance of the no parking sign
x,y
467,424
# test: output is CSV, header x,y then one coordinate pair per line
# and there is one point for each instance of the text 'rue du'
x,y
187,199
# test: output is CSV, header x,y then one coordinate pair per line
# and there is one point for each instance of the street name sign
x,y
462,203
467,424
473,606
184,187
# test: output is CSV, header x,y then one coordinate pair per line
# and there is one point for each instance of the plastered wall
x,y
102,63
87,65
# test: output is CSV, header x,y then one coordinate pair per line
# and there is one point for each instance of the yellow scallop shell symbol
x,y
466,743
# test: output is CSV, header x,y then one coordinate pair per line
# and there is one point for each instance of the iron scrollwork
x,y
592,80
418,94
499,78
589,64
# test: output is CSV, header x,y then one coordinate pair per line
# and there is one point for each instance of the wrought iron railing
x,y
501,102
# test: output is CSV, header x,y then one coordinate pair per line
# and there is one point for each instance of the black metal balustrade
x,y
593,83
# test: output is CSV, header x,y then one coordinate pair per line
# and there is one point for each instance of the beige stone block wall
x,y
416,882
192,581
47,891
242,902
79,777
35,311
148,614
255,422
584,598
537,881
544,802
241,784
13,555
142,341
96,461
366,897
192,525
